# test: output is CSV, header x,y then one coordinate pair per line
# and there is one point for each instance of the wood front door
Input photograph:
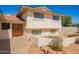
x,y
17,29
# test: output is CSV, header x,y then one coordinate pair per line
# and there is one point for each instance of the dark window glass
x,y
55,17
36,32
5,26
53,31
38,15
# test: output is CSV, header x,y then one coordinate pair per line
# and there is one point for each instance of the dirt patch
x,y
72,49
35,50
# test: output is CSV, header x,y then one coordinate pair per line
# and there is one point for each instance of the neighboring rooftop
x,y
13,19
10,18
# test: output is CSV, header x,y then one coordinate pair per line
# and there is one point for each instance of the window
x,y
5,26
36,32
38,15
55,17
53,31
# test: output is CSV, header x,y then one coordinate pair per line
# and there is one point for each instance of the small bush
x,y
57,48
73,35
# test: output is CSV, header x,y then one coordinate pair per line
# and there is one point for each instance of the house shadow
x,y
4,42
77,41
5,46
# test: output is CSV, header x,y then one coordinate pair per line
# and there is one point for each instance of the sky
x,y
67,10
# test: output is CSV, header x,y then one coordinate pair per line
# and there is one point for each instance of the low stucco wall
x,y
41,41
68,30
50,41
34,40
68,40
44,41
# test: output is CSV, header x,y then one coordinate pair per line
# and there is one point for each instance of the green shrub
x,y
57,48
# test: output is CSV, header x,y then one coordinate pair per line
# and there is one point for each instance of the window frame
x,y
38,15
5,26
53,31
56,17
36,32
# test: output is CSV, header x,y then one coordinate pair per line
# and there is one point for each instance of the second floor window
x,y
38,15
55,17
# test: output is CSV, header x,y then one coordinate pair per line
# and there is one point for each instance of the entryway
x,y
17,29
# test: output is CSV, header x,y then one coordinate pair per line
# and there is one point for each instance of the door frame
x,y
20,28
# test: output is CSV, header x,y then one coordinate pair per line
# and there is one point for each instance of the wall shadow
x,y
5,46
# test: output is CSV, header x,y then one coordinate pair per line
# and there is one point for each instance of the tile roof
x,y
13,19
10,18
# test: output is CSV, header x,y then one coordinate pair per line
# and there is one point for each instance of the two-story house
x,y
32,24
40,22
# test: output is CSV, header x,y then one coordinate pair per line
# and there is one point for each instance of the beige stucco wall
x,y
19,44
68,40
44,41
68,30
39,40
47,22
5,34
50,41
45,32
